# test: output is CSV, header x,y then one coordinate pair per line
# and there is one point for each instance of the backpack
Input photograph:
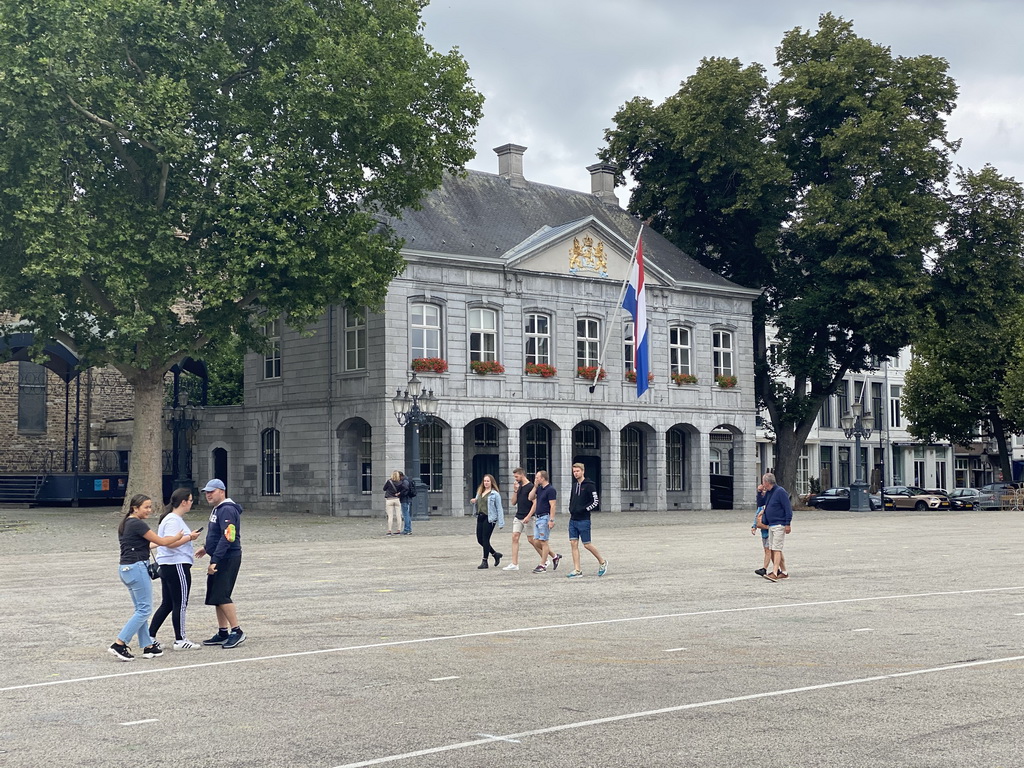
x,y
411,493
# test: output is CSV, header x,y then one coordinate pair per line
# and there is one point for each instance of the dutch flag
x,y
635,302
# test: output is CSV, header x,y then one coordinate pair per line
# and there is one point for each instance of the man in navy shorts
x,y
583,501
224,546
543,513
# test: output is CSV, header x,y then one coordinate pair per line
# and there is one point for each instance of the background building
x,y
503,271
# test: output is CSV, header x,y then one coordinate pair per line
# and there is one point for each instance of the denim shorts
x,y
540,528
579,529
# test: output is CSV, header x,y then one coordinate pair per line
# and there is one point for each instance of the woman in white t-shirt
x,y
175,570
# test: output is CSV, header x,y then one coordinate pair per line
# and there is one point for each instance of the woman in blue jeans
x,y
135,537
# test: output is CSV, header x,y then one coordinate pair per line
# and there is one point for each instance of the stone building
x,y
503,271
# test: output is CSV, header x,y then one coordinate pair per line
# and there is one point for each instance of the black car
x,y
839,499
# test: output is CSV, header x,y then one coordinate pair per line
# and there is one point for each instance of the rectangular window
x,y
844,466
803,471
271,459
895,412
628,348
272,357
940,474
825,417
825,460
432,456
587,341
366,459
919,476
679,350
631,457
675,459
483,335
425,330
843,398
876,404
355,340
538,339
31,398
721,349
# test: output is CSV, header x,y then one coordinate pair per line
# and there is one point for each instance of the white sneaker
x,y
511,567
184,645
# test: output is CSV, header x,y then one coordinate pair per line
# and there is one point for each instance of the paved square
x,y
897,642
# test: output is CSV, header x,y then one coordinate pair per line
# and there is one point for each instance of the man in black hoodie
x,y
583,501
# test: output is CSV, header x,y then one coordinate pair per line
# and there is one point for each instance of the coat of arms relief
x,y
588,257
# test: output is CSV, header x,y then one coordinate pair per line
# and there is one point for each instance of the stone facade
x,y
487,255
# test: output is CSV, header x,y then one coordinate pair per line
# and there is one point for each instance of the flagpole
x,y
618,304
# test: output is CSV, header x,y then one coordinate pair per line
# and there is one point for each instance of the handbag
x,y
153,567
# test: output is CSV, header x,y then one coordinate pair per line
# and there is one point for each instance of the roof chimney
x,y
602,182
510,164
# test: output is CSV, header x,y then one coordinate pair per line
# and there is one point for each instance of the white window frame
x,y
722,349
270,462
483,334
588,339
680,349
425,319
537,331
628,348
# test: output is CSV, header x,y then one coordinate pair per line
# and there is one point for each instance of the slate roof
x,y
483,215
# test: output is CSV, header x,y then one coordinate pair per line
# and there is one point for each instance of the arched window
x,y
270,445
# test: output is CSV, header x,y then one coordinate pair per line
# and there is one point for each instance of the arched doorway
x,y
588,442
485,441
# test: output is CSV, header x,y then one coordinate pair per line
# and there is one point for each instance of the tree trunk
x,y
145,471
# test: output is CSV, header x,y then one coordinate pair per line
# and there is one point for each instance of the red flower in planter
x,y
429,365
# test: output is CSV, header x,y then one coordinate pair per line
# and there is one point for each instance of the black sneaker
x,y
121,652
234,639
761,571
219,639
554,562
152,651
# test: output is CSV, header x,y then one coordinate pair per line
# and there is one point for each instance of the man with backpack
x,y
406,493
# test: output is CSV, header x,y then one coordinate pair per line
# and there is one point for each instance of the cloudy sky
x,y
554,72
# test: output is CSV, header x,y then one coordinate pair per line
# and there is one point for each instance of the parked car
x,y
839,499
912,497
964,498
991,496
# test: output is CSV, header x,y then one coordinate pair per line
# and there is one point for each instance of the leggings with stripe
x,y
176,581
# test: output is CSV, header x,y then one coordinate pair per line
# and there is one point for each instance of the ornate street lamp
x,y
855,425
416,407
183,422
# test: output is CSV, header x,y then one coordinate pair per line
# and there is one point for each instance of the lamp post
x,y
416,407
184,419
854,425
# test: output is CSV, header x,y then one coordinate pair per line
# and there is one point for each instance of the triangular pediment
x,y
584,248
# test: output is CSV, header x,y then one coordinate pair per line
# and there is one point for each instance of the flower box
x,y
485,367
590,372
540,369
631,377
725,382
429,365
683,378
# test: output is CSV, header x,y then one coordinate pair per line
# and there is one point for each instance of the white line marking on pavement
x,y
439,679
509,631
863,629
498,738
140,722
673,650
515,737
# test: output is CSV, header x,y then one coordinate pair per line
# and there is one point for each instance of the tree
x,y
965,347
823,189
174,173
